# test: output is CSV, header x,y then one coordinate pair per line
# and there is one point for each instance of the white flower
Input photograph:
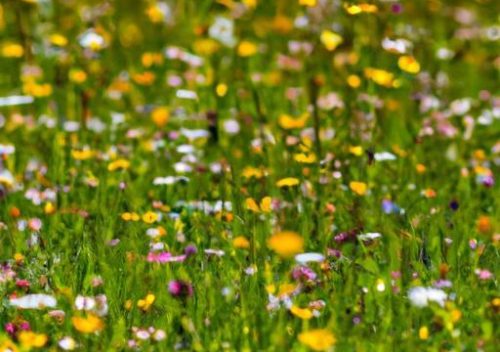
x,y
216,252
384,156
231,126
304,258
186,94
159,335
422,296
6,178
84,303
67,343
71,126
182,167
34,301
16,100
194,134
399,46
185,149
460,106
169,180
369,236
142,334
90,39
223,30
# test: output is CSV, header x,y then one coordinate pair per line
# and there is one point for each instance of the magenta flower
x,y
179,288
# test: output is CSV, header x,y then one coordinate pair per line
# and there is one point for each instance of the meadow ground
x,y
249,175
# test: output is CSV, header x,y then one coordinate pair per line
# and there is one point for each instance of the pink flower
x,y
179,288
483,274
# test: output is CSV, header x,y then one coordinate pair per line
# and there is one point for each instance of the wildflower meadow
x,y
249,175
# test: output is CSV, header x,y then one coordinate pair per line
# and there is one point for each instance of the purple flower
x,y
454,205
190,250
179,288
389,207
303,273
397,8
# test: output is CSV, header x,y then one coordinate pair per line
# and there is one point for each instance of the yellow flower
x,y
251,204
144,79
250,3
353,81
241,242
287,122
302,313
287,182
149,217
29,339
119,164
49,208
420,168
247,48
130,216
7,345
305,158
88,325
317,340
423,333
359,8
286,243
221,89
356,150
286,289
265,205
409,64
38,90
205,46
155,14
149,59
58,39
359,188
160,116
77,76
249,172
381,77
309,3
330,40
147,302
12,50
82,154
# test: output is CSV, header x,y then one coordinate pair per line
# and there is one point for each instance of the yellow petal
x,y
287,182
330,40
317,340
286,243
359,188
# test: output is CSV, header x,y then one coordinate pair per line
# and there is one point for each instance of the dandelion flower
x,y
317,340
286,243
302,313
359,188
119,164
247,48
287,182
409,64
160,116
29,339
330,40
88,325
241,242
